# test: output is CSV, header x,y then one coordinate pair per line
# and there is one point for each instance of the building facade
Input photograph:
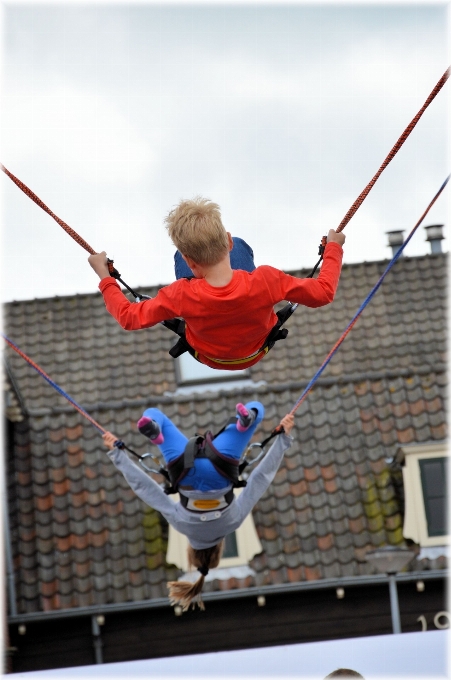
x,y
87,561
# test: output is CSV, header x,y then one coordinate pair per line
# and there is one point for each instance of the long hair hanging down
x,y
185,593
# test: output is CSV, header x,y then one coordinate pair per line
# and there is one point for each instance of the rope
x,y
358,202
277,430
59,389
68,230
309,387
352,210
42,205
118,443
365,302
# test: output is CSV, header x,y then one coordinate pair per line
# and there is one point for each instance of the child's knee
x,y
258,407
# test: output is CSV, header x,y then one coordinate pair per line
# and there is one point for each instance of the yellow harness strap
x,y
232,362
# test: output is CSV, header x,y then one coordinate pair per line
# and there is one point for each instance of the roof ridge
x,y
302,271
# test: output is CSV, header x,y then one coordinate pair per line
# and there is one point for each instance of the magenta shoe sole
x,y
145,426
243,413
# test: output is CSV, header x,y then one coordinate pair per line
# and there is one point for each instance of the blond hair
x,y
185,593
196,230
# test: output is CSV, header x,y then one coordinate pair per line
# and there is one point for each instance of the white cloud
x,y
279,118
77,127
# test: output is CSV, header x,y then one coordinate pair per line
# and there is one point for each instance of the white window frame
x,y
415,522
188,371
247,541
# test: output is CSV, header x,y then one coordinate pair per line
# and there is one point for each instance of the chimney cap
x,y
434,232
395,238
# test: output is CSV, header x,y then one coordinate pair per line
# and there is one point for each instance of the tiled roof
x,y
79,534
83,348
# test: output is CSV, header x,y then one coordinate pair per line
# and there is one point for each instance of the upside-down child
x,y
228,305
202,486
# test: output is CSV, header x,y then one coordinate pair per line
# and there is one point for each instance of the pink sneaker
x,y
150,429
245,417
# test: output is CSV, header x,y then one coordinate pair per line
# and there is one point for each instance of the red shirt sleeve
x,y
132,316
312,292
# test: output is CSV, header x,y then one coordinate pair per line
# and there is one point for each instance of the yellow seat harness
x,y
276,333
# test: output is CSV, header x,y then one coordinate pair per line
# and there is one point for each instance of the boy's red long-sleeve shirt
x,y
229,322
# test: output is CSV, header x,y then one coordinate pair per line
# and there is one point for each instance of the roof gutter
x,y
323,584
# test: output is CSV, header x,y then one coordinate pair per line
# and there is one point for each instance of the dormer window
x,y
189,372
239,547
192,376
425,470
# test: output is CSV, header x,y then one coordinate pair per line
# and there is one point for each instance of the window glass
x,y
433,480
230,546
191,371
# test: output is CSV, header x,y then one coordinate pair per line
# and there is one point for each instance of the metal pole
x,y
97,641
394,604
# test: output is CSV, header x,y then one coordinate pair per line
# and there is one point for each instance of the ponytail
x,y
186,593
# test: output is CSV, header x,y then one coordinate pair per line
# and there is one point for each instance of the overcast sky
x,y
281,114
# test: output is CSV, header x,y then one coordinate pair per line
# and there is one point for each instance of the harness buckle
x,y
244,462
160,471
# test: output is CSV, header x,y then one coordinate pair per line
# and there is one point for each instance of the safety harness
x,y
178,326
201,446
276,333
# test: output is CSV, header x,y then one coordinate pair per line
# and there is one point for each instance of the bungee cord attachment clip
x,y
244,462
115,274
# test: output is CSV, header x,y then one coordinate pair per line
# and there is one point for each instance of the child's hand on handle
x,y
99,263
109,440
333,237
287,423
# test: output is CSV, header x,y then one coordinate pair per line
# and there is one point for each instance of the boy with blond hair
x,y
228,304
